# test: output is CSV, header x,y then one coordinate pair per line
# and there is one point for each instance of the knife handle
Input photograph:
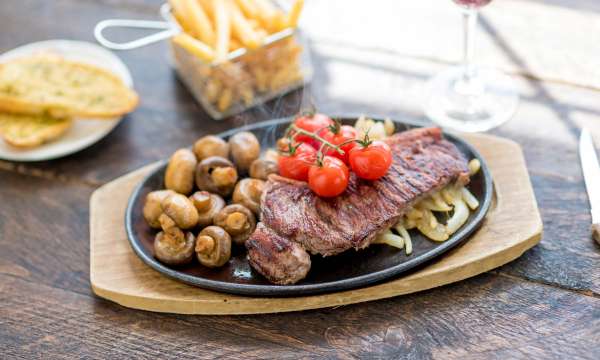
x,y
596,232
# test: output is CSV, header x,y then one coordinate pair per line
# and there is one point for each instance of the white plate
x,y
84,132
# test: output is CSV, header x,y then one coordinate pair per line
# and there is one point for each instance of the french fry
x,y
179,10
278,22
181,21
224,100
212,90
278,80
248,8
208,7
284,77
196,47
294,14
247,95
235,24
260,77
262,33
198,20
255,24
265,8
241,28
234,44
223,29
270,17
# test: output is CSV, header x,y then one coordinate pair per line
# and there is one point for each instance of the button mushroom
x,y
247,192
216,175
180,210
210,145
271,154
174,249
208,205
238,221
179,175
244,150
152,207
283,144
213,246
261,168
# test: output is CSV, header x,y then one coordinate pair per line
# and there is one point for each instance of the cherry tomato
x,y
296,165
330,178
311,123
339,136
371,160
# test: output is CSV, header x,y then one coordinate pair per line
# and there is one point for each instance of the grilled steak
x,y
294,218
285,261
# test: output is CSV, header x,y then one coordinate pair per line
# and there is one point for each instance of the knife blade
x,y
591,176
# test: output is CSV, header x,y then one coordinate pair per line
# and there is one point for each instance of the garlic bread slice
x,y
27,131
52,85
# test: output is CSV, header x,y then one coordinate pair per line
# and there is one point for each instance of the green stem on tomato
x,y
348,142
366,141
320,155
316,137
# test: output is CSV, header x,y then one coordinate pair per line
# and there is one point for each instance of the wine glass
x,y
469,98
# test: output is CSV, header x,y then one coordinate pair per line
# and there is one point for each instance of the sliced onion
x,y
437,233
439,201
474,166
408,243
432,220
402,231
460,216
410,224
391,239
361,123
388,124
469,198
414,214
452,197
433,205
447,195
407,240
377,131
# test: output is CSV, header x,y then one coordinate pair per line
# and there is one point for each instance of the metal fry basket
x,y
247,78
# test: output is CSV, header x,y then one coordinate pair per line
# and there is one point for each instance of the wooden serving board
x,y
512,226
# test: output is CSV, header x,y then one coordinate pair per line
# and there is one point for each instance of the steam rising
x,y
285,105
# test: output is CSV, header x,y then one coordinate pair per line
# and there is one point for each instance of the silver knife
x,y
591,175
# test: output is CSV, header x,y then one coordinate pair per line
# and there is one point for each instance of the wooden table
x,y
544,305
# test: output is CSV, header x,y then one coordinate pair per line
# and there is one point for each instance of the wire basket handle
x,y
168,31
170,27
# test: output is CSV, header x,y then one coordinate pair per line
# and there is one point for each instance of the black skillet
x,y
351,269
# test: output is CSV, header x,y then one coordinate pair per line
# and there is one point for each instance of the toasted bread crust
x,y
46,84
27,131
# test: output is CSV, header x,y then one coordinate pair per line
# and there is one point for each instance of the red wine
x,y
472,3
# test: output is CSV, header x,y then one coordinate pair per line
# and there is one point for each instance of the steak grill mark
x,y
423,162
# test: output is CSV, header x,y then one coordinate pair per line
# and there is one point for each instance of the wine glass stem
x,y
470,24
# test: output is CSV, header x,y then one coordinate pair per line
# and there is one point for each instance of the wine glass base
x,y
486,101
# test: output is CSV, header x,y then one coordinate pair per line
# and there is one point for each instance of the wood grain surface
x,y
546,304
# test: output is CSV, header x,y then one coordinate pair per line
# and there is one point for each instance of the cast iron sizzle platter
x,y
351,269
